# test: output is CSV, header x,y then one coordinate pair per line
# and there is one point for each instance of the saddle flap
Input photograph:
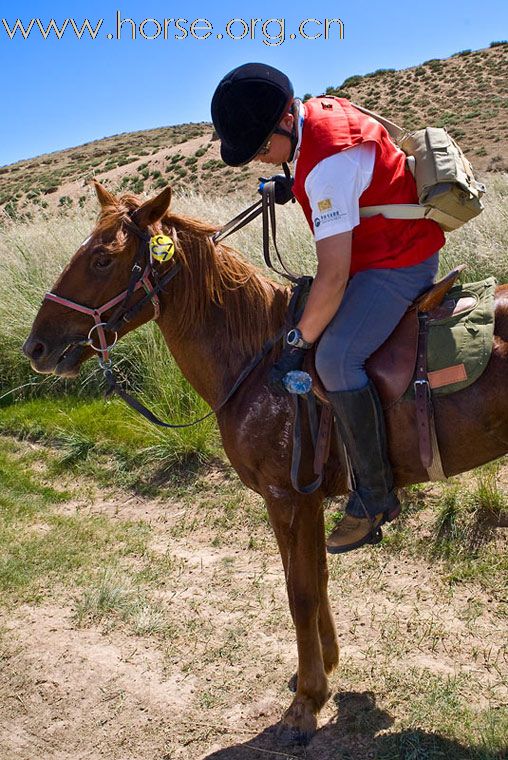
x,y
391,367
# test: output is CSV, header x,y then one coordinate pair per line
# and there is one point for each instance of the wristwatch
x,y
294,338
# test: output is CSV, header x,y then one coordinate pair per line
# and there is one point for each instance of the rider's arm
x,y
334,259
333,189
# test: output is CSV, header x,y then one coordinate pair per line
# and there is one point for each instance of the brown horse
x,y
215,314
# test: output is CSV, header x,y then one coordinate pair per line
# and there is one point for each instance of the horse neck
x,y
212,334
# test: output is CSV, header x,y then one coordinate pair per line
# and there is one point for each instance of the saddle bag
x,y
448,192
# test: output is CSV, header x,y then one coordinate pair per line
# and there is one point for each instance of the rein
x,y
266,207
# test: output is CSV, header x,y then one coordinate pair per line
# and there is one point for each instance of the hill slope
x,y
467,94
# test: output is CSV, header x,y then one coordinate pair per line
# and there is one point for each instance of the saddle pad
x,y
460,337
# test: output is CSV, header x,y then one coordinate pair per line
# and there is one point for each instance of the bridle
x,y
141,276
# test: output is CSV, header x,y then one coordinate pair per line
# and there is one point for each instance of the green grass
x,y
40,549
434,716
108,440
462,535
111,597
22,496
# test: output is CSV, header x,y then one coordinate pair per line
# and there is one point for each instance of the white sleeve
x,y
334,187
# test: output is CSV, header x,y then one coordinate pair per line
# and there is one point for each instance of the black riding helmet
x,y
247,106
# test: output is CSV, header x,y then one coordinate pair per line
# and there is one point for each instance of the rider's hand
x,y
283,185
290,359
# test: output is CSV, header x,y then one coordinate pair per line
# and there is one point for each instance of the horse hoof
x,y
288,736
293,683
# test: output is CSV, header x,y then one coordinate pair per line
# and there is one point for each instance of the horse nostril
x,y
38,350
34,349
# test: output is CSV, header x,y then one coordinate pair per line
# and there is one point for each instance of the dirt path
x,y
208,678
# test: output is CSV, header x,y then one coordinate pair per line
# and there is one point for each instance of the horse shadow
x,y
352,734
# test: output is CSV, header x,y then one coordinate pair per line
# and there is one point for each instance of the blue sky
x,y
61,93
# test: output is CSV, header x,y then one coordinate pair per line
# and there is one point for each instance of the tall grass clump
x,y
482,244
467,515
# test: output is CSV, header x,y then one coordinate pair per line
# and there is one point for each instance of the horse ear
x,y
154,209
105,197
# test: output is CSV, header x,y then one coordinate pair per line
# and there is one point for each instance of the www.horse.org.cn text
x,y
272,32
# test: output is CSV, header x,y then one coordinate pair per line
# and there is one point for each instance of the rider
x,y
369,269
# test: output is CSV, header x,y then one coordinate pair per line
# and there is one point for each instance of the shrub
x,y
352,80
379,72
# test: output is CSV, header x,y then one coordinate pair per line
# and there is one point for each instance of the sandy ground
x,y
212,682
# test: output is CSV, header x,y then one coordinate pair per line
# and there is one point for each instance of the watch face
x,y
293,337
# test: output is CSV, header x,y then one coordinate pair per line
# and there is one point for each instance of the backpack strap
x,y
392,210
393,129
397,211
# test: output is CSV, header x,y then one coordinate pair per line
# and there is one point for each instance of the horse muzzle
x,y
63,360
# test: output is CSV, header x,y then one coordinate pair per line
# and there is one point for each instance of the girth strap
x,y
422,393
425,423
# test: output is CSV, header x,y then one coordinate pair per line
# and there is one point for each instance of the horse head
x,y
66,330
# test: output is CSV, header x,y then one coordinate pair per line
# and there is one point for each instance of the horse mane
x,y
214,275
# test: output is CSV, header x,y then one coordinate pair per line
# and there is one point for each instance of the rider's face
x,y
278,147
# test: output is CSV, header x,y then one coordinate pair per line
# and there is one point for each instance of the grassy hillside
x,y
467,93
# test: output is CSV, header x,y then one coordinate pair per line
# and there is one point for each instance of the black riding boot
x,y
373,501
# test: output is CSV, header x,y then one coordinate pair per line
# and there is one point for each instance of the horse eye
x,y
103,262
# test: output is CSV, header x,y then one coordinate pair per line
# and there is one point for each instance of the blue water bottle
x,y
298,382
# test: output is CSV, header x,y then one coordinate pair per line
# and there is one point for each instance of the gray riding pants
x,y
374,302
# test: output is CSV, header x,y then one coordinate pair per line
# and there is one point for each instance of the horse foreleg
x,y
326,622
296,521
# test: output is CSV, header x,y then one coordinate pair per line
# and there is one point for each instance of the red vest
x,y
333,124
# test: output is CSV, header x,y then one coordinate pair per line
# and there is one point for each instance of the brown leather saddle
x,y
402,357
